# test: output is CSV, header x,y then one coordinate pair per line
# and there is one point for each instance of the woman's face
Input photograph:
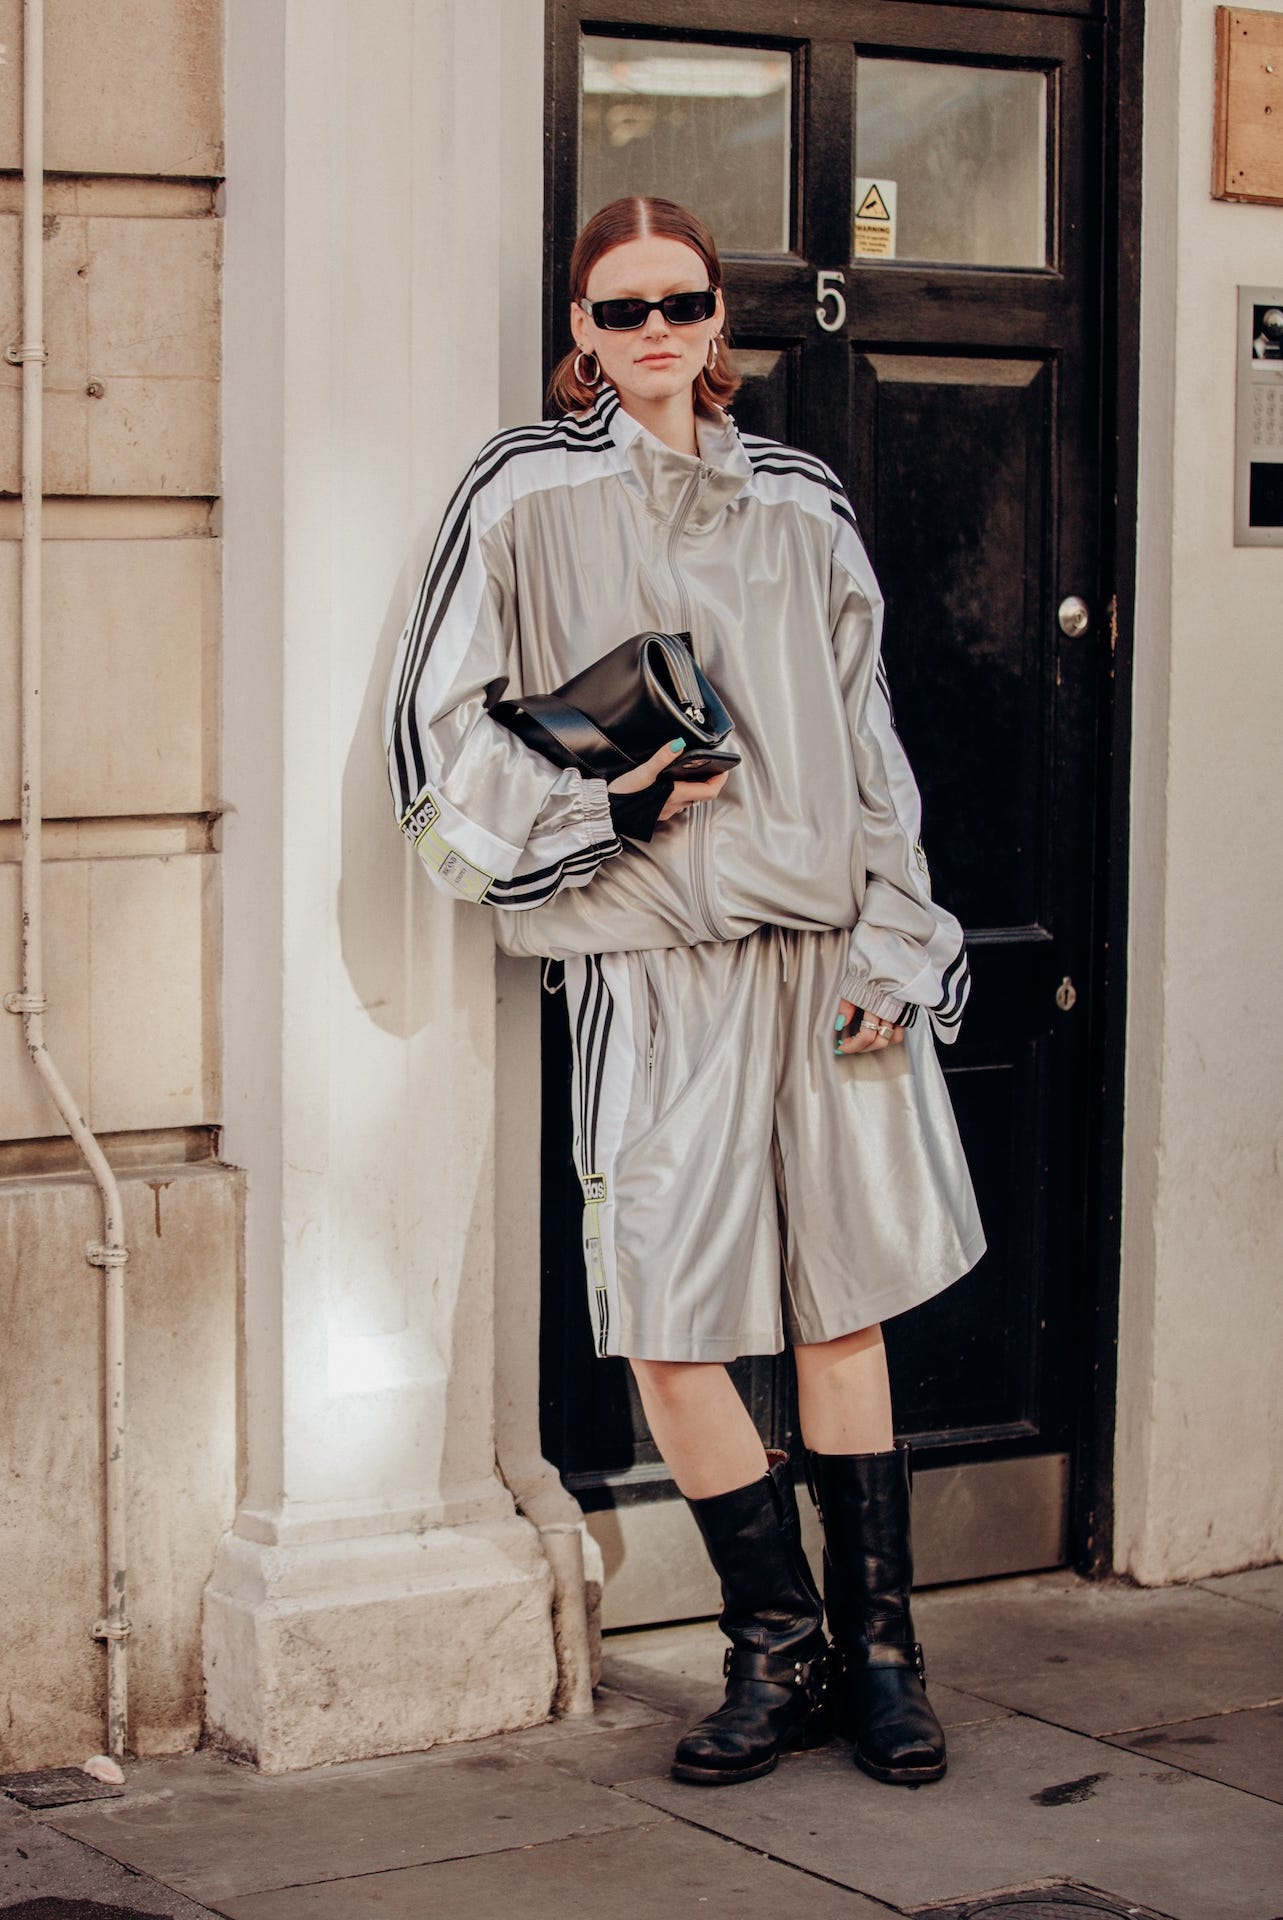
x,y
655,361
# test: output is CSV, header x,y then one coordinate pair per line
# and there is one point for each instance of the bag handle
x,y
564,735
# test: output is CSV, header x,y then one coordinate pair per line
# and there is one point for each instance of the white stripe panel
x,y
795,489
616,1094
529,471
476,844
611,1050
848,551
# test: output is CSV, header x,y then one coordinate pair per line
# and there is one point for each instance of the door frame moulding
x,y
1092,1494
1091,1517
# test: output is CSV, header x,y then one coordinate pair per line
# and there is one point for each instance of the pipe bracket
x,y
99,1255
106,1630
25,1002
22,350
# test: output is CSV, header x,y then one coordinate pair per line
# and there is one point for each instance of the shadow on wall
x,y
423,970
399,936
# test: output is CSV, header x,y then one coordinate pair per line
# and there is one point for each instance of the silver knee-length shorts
x,y
741,1182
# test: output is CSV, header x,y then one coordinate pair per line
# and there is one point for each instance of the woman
x,y
746,961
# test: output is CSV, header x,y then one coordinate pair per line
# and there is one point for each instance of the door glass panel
x,y
705,125
951,163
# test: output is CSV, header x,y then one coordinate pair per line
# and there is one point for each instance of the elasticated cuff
x,y
872,1000
596,803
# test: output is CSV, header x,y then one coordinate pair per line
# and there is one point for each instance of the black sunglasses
x,y
679,309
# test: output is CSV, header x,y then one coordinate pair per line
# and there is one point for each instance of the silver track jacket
x,y
562,540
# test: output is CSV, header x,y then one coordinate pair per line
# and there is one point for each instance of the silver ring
x,y
885,1029
872,1025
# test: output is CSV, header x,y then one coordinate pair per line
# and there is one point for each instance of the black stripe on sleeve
x,y
954,982
546,437
770,456
414,779
837,500
509,893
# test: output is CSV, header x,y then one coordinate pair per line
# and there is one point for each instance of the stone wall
x,y
132,795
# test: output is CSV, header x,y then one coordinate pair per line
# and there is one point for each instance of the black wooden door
x,y
907,199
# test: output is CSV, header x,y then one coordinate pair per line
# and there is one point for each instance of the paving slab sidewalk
x,y
1124,1743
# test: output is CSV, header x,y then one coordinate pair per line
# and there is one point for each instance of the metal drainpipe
x,y
110,1254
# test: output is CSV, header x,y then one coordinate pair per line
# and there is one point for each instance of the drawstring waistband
x,y
554,971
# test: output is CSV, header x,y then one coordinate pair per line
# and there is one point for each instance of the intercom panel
x,y
1258,480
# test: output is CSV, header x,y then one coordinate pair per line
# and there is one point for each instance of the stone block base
x,y
183,1231
344,1650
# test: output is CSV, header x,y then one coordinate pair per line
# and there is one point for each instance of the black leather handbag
x,y
621,710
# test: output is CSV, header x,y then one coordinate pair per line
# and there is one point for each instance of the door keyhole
x,y
1066,994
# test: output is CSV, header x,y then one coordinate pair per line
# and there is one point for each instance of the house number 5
x,y
828,287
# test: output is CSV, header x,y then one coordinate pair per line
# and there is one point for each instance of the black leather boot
x,y
776,1666
878,1683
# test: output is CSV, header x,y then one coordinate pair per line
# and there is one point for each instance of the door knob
x,y
1074,616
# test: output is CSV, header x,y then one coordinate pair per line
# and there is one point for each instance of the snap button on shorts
x,y
739,1181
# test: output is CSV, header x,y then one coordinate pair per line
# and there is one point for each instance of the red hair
x,y
637,218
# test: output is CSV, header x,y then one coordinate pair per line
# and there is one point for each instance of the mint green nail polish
x,y
840,1022
675,746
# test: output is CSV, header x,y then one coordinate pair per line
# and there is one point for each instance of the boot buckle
x,y
810,1676
813,1678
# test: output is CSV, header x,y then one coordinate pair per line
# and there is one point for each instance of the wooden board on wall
x,y
1247,151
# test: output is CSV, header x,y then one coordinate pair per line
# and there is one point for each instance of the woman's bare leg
x,y
844,1395
700,1425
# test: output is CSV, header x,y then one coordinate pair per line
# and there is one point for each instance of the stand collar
x,y
662,477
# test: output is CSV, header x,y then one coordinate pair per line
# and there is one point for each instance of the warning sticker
x,y
875,219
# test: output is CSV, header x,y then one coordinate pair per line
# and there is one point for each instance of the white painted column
x,y
1199,1456
378,1592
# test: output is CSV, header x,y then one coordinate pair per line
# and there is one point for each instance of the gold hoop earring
x,y
581,376
711,361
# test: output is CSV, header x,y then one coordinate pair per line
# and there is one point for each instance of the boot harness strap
x,y
878,1653
749,1663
